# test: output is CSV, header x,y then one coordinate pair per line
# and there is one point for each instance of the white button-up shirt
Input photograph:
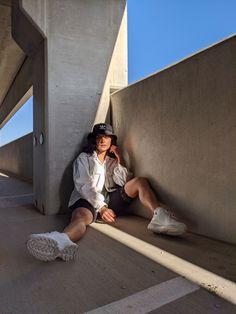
x,y
92,177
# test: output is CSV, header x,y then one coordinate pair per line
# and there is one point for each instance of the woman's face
x,y
103,142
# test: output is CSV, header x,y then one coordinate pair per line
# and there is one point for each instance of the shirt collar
x,y
95,156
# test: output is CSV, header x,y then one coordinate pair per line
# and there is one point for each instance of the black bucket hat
x,y
102,128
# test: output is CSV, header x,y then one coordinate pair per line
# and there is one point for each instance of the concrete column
x,y
78,52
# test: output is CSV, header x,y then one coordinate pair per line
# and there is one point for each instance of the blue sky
x,y
20,124
160,32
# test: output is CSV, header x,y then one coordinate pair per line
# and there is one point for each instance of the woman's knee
x,y
141,181
132,187
82,214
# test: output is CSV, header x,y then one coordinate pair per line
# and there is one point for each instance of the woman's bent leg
x,y
162,221
140,187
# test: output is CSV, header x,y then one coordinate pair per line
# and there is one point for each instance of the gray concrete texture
x,y
177,127
79,51
105,270
11,56
17,158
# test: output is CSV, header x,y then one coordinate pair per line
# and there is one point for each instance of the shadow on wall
x,y
67,184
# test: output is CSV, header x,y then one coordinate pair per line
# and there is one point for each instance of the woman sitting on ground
x,y
102,186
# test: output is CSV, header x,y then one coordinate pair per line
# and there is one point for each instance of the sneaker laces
x,y
169,213
172,215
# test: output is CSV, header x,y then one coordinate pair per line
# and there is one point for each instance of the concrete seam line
x,y
14,196
149,299
206,279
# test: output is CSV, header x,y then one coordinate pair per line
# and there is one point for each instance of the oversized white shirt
x,y
91,176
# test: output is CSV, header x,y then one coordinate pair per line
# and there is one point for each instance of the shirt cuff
x,y
103,205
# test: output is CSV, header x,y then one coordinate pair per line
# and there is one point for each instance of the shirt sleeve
x,y
121,175
85,184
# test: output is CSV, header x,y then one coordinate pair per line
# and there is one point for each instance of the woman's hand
x,y
107,214
116,151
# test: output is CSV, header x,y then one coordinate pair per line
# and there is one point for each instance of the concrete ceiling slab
x,y
11,56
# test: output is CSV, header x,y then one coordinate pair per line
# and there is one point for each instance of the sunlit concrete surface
x,y
16,157
106,271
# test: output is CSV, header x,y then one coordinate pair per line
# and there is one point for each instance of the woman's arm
x,y
85,184
120,173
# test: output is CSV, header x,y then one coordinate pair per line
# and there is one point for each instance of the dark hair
x,y
92,145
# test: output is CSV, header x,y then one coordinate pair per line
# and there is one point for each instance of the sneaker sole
x,y
46,249
169,230
69,252
42,248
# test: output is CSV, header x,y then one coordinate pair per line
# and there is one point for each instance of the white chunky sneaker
x,y
164,222
49,246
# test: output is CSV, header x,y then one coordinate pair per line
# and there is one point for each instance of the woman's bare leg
x,y
81,217
140,187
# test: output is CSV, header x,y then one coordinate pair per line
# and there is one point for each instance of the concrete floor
x,y
105,271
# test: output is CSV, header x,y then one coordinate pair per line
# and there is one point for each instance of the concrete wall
x,y
17,158
178,128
